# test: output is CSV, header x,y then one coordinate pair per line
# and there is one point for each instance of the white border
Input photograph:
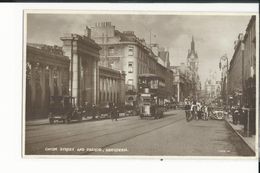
x,y
10,71
131,12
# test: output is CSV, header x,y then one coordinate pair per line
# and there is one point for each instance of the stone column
x,y
70,50
33,85
43,86
97,82
178,93
94,75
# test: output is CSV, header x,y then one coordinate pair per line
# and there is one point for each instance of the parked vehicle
x,y
63,109
218,113
171,105
131,110
181,105
103,110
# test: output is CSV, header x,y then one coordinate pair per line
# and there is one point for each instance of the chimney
x,y
87,32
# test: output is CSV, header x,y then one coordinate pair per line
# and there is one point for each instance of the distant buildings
x,y
212,88
182,82
186,81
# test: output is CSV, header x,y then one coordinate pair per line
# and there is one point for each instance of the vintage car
x,y
181,105
131,110
171,105
63,109
103,110
218,113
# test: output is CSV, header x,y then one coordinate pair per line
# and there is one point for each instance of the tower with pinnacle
x,y
192,58
193,66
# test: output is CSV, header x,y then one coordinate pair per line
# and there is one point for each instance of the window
x,y
153,84
111,50
130,67
130,50
130,84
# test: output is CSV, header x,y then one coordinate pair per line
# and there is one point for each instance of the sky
x,y
214,35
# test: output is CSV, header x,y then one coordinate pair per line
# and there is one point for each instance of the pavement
x,y
239,130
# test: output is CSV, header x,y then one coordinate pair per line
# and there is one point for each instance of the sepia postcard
x,y
139,84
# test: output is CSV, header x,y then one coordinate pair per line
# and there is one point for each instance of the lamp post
x,y
243,94
225,58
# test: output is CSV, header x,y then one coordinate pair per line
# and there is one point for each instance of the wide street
x,y
169,136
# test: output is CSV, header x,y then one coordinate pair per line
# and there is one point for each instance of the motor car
x,y
103,111
171,105
181,105
131,110
63,109
218,113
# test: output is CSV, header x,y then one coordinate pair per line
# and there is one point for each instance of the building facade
x,y
47,74
161,54
235,73
111,86
242,70
50,73
83,53
249,65
127,53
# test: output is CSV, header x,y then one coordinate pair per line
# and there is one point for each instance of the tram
x,y
151,96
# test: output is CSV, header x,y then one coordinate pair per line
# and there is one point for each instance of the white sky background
x,y
213,35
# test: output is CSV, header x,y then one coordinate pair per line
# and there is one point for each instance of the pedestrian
x,y
205,112
114,112
193,110
235,116
94,111
187,110
198,111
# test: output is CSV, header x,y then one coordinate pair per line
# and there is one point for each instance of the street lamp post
x,y
243,94
225,58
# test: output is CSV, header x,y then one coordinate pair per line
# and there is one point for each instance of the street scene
x,y
140,85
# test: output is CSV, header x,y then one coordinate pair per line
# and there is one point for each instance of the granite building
x,y
47,74
126,52
70,70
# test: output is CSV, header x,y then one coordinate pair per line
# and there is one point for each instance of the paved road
x,y
171,136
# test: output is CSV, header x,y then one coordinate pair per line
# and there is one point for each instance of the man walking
x,y
193,110
187,110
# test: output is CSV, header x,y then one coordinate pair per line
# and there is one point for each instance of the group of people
x,y
237,114
196,110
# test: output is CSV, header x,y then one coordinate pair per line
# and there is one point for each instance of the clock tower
x,y
192,59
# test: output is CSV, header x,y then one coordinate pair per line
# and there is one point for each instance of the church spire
x,y
192,44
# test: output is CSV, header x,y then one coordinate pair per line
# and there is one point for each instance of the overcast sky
x,y
213,35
